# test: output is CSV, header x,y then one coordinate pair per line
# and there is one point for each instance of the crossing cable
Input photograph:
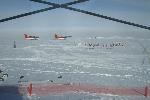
x,y
66,6
54,6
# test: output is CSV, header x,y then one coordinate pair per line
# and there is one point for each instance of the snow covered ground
x,y
77,62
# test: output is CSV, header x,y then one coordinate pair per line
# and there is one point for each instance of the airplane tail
x,y
56,36
26,36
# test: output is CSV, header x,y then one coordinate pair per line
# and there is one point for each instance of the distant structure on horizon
x,y
14,44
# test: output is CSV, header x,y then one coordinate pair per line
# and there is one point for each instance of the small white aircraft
x,y
29,37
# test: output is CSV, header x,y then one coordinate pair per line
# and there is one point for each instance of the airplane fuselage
x,y
28,37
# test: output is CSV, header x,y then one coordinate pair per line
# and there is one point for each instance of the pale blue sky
x,y
62,20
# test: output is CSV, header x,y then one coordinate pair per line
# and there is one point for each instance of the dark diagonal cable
x,y
106,17
27,14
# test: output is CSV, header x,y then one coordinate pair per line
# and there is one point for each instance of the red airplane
x,y
61,37
29,37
